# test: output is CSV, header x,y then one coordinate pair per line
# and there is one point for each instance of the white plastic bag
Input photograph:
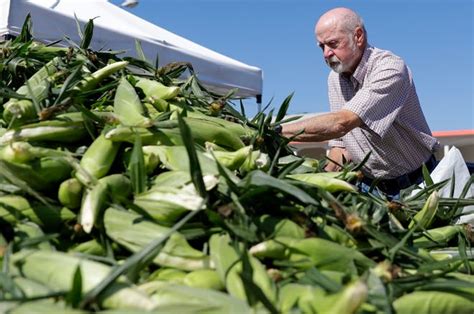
x,y
453,163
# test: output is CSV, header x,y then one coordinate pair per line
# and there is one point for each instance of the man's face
x,y
339,48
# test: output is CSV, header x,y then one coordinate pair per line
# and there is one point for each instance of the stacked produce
x,y
125,187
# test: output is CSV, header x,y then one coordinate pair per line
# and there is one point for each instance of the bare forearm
x,y
322,127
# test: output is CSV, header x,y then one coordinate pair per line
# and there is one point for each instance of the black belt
x,y
393,186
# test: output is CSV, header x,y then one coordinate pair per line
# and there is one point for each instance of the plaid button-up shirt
x,y
382,93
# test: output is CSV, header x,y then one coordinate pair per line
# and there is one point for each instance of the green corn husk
x,y
90,82
113,187
202,131
229,267
308,165
14,208
203,278
255,160
438,236
172,178
425,216
293,296
347,301
133,232
168,204
37,87
173,298
29,230
43,266
127,106
98,159
43,174
91,247
147,136
50,130
168,274
433,302
280,227
70,193
31,288
317,252
324,182
230,160
44,307
24,152
155,90
176,158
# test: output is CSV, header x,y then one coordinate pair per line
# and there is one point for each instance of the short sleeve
x,y
382,96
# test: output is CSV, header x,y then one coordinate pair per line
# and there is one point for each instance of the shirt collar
x,y
361,69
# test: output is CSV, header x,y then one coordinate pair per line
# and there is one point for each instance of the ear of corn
x,y
433,302
98,158
255,160
425,216
167,204
175,158
437,236
43,266
90,82
31,288
173,298
171,275
91,247
148,137
290,294
42,174
323,181
276,227
43,307
229,268
70,193
95,198
203,278
127,106
155,90
305,253
230,160
50,130
14,208
347,301
132,232
21,111
30,231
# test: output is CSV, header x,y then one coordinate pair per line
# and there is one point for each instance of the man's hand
x,y
339,155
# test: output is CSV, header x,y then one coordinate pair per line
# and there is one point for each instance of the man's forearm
x,y
322,127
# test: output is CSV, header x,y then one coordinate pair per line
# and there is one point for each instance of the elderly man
x,y
374,108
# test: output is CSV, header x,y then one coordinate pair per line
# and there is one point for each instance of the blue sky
x,y
435,38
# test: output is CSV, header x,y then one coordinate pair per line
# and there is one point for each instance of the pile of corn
x,y
124,187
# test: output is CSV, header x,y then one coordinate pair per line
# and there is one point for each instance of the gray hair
x,y
351,21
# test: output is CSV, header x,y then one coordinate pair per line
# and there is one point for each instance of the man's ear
x,y
359,36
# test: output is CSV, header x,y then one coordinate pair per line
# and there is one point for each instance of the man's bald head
x,y
341,19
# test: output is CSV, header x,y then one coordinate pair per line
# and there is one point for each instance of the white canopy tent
x,y
117,29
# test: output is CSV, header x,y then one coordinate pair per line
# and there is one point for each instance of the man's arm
x,y
323,127
338,154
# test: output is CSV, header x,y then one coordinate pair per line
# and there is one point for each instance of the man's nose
x,y
327,52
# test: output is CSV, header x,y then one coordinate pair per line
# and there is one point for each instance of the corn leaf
x,y
139,50
284,108
260,179
253,292
74,295
426,176
25,34
137,167
194,166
